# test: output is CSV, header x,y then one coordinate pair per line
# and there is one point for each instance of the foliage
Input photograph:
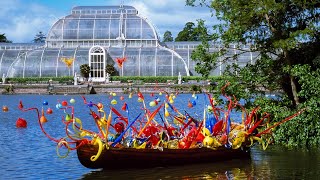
x,y
167,36
195,88
303,130
39,38
306,129
187,34
286,36
123,79
21,80
110,69
192,33
85,70
161,79
144,79
4,39
283,31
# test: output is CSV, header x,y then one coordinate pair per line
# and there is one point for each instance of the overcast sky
x,y
21,20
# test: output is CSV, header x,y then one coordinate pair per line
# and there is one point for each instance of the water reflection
x,y
281,163
275,163
234,169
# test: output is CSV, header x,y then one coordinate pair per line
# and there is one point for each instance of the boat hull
x,y
116,158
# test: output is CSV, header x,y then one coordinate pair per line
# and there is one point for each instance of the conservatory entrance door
x,y
97,63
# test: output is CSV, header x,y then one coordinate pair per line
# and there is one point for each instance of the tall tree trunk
x,y
294,91
292,81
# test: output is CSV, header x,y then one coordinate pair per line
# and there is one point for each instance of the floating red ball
x,y
49,111
21,123
64,103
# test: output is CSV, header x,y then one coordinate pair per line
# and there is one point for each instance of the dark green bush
x,y
41,79
161,79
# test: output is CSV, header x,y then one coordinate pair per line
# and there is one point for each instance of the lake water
x,y
27,154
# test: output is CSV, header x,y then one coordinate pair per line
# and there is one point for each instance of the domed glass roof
x,y
98,23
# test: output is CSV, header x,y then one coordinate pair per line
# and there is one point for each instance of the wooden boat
x,y
117,158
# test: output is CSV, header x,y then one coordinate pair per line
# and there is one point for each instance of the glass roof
x,y
91,23
103,10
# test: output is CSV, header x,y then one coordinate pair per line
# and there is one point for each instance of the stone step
x,y
80,89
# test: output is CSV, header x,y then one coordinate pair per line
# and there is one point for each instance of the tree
x,y
110,69
4,39
278,31
286,35
188,33
192,33
85,70
39,38
167,37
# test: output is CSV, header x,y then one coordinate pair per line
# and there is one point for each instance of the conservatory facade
x,y
101,35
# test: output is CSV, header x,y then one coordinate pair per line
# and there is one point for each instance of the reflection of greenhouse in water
x,y
98,35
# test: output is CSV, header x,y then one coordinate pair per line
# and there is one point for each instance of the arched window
x,y
97,63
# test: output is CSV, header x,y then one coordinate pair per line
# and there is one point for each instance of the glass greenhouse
x,y
101,35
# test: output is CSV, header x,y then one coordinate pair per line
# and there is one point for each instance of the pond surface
x,y
28,154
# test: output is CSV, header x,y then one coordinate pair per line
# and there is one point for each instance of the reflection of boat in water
x,y
138,158
230,169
